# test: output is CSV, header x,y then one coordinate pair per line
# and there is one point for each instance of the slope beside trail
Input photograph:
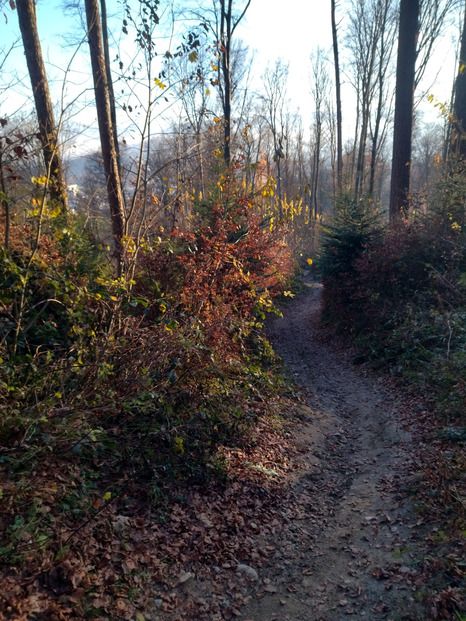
x,y
345,547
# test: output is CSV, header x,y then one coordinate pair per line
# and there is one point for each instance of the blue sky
x,y
290,30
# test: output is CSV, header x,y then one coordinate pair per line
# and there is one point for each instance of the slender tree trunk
x,y
108,71
375,142
402,132
315,189
331,126
351,164
47,128
361,157
5,205
459,106
279,190
107,135
225,30
316,172
338,98
201,160
227,27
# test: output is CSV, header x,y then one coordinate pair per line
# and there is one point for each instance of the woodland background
x,y
135,280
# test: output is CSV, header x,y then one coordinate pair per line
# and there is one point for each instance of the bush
x,y
402,293
355,226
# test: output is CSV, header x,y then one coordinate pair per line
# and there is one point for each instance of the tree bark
x,y
106,129
402,132
43,103
375,141
111,93
459,106
5,204
338,98
225,30
227,27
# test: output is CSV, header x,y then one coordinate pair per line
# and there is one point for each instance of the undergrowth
x,y
111,389
402,293
401,296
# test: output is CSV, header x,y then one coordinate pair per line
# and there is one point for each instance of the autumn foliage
x,y
110,389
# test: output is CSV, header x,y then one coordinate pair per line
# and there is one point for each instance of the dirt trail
x,y
345,549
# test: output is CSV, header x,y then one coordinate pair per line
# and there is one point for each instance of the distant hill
x,y
75,168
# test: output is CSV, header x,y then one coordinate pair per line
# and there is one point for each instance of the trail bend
x,y
350,553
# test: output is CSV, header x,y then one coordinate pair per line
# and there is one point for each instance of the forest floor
x,y
316,523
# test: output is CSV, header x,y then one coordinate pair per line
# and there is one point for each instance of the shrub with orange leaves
x,y
223,276
207,292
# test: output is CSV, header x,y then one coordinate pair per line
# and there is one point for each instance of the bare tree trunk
x,y
402,132
316,175
47,128
107,135
331,128
225,33
361,157
459,106
375,142
278,159
227,27
111,93
352,161
338,98
319,91
200,156
5,204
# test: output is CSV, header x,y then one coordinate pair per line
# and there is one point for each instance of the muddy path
x,y
345,547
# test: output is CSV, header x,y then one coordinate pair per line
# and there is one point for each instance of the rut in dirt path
x,y
345,549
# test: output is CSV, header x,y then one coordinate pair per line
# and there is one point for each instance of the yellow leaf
x,y
193,57
179,444
309,261
107,495
55,212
